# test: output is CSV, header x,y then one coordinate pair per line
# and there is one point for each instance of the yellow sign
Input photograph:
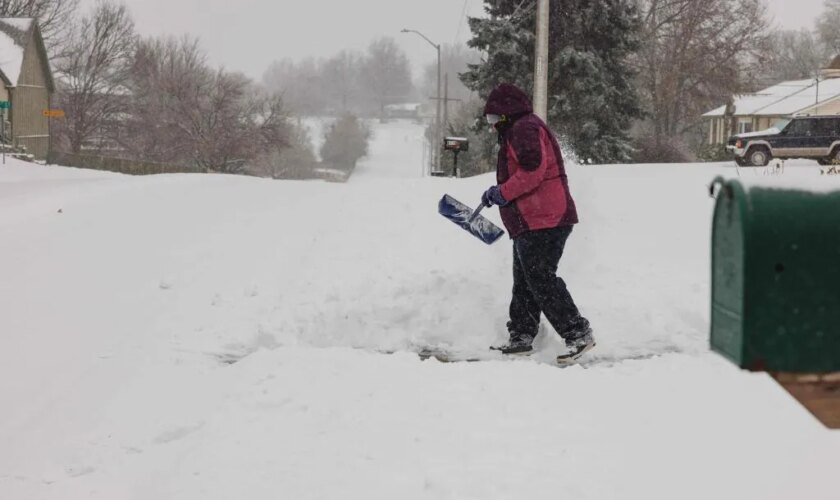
x,y
54,113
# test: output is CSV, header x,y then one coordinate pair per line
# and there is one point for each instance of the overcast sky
x,y
246,35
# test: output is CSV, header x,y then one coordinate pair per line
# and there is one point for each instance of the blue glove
x,y
493,196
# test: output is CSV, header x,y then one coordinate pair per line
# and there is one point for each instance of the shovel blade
x,y
461,214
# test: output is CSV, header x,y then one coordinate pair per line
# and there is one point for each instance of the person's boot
x,y
578,344
517,345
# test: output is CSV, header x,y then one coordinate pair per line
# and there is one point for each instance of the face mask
x,y
493,119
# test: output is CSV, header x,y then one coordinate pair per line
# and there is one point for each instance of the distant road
x,y
396,152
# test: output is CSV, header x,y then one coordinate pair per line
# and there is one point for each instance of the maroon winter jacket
x,y
530,167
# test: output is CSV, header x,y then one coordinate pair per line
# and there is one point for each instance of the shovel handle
x,y
476,212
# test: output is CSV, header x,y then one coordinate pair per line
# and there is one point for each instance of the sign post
x,y
4,105
50,114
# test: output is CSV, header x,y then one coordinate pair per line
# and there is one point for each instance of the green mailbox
x,y
776,278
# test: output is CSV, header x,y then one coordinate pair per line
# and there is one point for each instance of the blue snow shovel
x,y
469,219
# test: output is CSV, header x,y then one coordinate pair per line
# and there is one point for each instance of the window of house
x,y
780,123
745,127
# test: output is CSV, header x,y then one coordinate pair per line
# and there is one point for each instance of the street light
x,y
437,139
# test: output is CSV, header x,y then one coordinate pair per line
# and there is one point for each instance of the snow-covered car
x,y
812,137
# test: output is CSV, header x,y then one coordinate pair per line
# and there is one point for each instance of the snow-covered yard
x,y
198,337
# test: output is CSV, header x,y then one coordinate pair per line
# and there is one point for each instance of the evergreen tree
x,y
592,98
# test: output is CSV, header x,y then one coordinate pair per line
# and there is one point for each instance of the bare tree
x,y
695,54
166,75
347,82
183,111
301,84
94,73
230,124
827,26
54,17
289,158
386,73
794,55
341,74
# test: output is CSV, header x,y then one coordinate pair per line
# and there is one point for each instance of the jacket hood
x,y
508,100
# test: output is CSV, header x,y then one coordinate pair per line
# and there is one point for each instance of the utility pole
x,y
817,100
541,61
446,100
446,104
439,129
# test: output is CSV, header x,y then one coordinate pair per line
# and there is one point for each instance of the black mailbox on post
x,y
457,145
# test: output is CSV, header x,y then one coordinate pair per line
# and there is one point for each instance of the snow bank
x,y
203,337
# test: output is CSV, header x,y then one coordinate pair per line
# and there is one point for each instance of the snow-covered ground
x,y
199,337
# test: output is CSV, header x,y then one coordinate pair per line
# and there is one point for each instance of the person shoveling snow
x,y
539,213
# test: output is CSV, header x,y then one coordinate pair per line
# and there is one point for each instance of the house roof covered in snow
x,y
13,37
834,64
784,99
408,106
15,34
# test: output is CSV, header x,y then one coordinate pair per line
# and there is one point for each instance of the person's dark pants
x,y
537,288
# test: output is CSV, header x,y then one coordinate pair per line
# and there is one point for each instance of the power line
x,y
461,20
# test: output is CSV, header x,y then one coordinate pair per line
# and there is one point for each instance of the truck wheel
x,y
834,157
758,157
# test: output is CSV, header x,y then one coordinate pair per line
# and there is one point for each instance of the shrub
x,y
713,152
293,159
669,150
345,142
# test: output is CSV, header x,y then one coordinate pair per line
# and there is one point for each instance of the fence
x,y
326,172
123,166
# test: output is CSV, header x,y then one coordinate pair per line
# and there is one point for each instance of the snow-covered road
x,y
199,337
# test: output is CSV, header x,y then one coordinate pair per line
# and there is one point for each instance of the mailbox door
x,y
728,274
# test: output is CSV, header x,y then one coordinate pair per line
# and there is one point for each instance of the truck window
x,y
826,127
800,127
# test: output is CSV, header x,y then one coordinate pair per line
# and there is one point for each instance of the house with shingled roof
x,y
27,84
776,105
